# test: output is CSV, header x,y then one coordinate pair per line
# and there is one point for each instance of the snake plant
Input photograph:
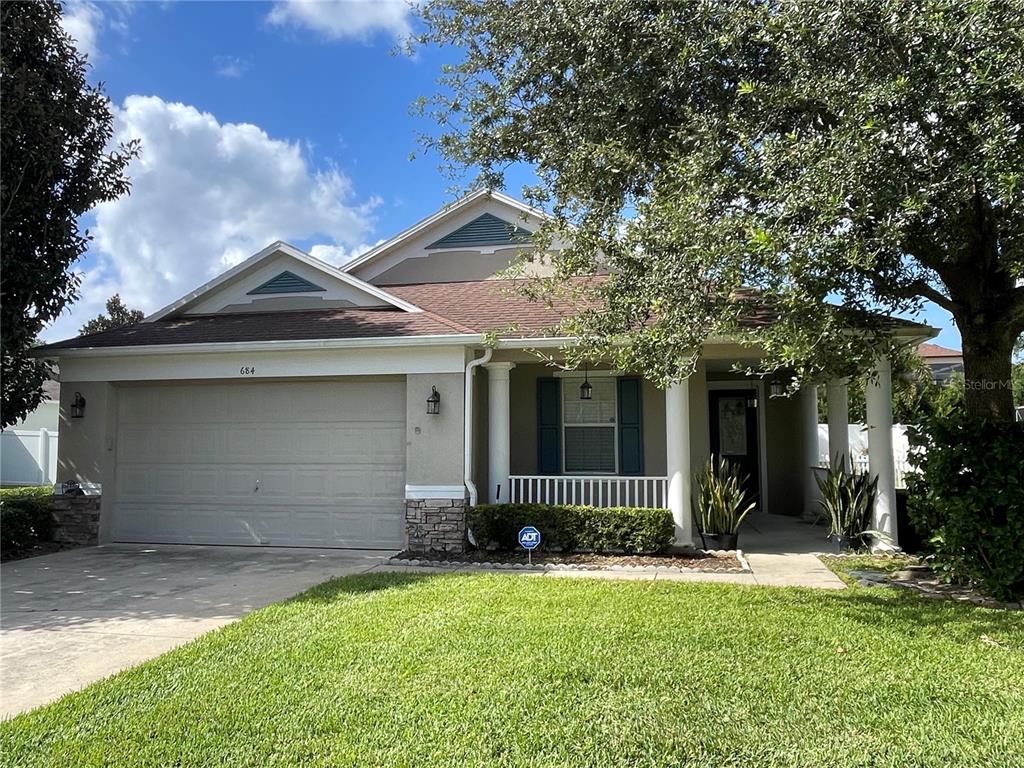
x,y
847,499
721,500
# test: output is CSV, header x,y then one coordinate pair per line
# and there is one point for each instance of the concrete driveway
x,y
74,617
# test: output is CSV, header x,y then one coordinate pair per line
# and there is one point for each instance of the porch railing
x,y
861,466
589,490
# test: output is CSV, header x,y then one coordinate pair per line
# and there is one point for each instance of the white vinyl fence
x,y
28,457
859,449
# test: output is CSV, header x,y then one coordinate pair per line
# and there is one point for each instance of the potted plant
x,y
846,499
721,503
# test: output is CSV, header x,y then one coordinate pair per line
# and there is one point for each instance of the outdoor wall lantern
x,y
777,389
78,406
434,402
586,388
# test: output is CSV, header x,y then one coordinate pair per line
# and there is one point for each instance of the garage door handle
x,y
257,488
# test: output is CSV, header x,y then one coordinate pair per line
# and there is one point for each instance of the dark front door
x,y
733,417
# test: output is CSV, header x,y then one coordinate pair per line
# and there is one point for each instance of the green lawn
x,y
395,669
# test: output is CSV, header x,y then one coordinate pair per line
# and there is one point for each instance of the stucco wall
x,y
46,416
523,428
86,448
434,447
785,455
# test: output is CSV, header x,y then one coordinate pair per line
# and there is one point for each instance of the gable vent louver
x,y
286,282
485,229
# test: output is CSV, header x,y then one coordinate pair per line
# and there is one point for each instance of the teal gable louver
x,y
485,229
286,282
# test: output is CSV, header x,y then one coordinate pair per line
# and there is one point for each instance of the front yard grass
x,y
451,670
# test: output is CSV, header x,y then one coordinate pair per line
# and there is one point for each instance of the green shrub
x,y
565,528
967,500
25,518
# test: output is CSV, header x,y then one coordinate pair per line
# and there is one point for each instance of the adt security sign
x,y
529,539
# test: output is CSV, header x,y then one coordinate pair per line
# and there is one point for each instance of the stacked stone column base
x,y
435,525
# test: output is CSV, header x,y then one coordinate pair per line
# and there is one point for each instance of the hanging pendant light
x,y
586,388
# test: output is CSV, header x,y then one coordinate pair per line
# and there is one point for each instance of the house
x,y
289,402
943,362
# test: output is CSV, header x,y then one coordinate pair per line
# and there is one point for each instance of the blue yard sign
x,y
529,539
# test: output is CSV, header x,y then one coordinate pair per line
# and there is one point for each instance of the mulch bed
x,y
716,562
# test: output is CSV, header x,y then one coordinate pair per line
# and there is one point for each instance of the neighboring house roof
x,y
934,350
51,390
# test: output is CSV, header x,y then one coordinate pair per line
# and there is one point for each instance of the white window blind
x,y
589,427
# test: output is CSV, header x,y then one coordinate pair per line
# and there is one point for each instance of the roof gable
x,y
286,282
276,267
485,229
472,238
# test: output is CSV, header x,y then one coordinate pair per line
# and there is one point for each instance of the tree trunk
x,y
988,352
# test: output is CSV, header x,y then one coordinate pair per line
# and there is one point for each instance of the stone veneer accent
x,y
435,525
77,520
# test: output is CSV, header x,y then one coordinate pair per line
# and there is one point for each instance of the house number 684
x,y
247,370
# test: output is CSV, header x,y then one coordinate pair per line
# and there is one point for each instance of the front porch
x,y
536,439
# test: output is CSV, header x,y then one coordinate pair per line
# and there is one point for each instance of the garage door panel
x,y
328,458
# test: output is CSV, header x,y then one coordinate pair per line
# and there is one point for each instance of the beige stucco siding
x,y
434,448
784,455
86,447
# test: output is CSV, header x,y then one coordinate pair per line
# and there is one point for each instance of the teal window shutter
x,y
631,431
549,427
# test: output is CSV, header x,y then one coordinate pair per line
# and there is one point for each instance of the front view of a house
x,y
291,403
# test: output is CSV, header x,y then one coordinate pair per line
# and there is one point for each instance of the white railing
x,y
861,466
589,490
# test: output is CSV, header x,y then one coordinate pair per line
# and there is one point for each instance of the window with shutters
x,y
589,428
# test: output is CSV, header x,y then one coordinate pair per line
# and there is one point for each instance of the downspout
x,y
467,441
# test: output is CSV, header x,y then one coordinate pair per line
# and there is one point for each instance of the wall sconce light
x,y
586,388
78,406
776,389
434,402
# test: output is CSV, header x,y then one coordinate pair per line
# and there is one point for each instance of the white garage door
x,y
275,463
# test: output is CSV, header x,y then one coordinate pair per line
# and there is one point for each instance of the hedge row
x,y
25,518
564,528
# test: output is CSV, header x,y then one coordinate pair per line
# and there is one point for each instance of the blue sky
x,y
259,121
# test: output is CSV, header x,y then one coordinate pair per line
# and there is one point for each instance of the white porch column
x,y
497,431
838,423
809,439
880,457
677,455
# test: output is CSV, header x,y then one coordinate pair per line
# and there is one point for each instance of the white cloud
x,y
206,195
82,21
230,66
338,255
348,19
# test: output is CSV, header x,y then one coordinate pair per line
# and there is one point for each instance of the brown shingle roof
x,y
268,326
471,307
934,350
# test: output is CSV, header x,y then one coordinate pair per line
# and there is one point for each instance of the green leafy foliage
x,y
847,499
56,164
967,496
567,528
118,316
772,172
721,501
25,518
